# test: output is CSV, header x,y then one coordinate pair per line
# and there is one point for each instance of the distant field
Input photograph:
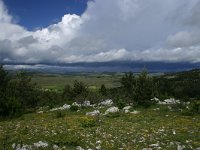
x,y
94,81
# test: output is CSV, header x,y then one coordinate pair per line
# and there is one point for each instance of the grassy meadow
x,y
151,128
158,127
94,81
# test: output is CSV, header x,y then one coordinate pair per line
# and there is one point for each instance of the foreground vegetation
x,y
26,118
151,128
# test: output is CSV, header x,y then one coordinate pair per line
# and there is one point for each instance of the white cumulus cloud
x,y
109,30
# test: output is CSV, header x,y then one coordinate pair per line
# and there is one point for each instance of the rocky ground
x,y
102,127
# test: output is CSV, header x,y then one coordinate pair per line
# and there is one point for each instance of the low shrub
x,y
60,114
121,104
88,122
193,108
113,115
74,108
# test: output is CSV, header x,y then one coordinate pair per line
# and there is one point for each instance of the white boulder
x,y
64,107
127,111
112,110
93,113
79,148
40,144
19,147
169,101
155,99
107,102
135,112
86,103
76,104
40,112
127,108
180,147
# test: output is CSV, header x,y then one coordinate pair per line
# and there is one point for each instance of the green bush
x,y
66,140
88,122
60,114
193,108
121,104
74,108
113,115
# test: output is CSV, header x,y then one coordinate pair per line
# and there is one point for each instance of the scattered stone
x,y
155,99
127,108
170,101
107,102
135,112
40,144
174,132
86,104
40,112
154,145
112,110
198,148
98,147
156,109
126,111
55,147
76,104
179,147
64,107
79,148
19,147
93,113
98,142
147,149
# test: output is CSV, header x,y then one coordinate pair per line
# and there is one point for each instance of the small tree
x,y
68,93
144,89
3,79
23,89
128,85
103,90
80,90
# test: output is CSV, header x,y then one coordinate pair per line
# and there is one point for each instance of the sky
x,y
51,32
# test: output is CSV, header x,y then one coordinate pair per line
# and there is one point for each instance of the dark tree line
x,y
183,85
18,95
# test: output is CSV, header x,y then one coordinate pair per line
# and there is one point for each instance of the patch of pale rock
x,y
107,102
79,148
93,113
40,144
126,109
112,110
64,107
169,101
135,112
19,147
179,147
76,104
86,103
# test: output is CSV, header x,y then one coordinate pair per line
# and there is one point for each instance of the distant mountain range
x,y
114,66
